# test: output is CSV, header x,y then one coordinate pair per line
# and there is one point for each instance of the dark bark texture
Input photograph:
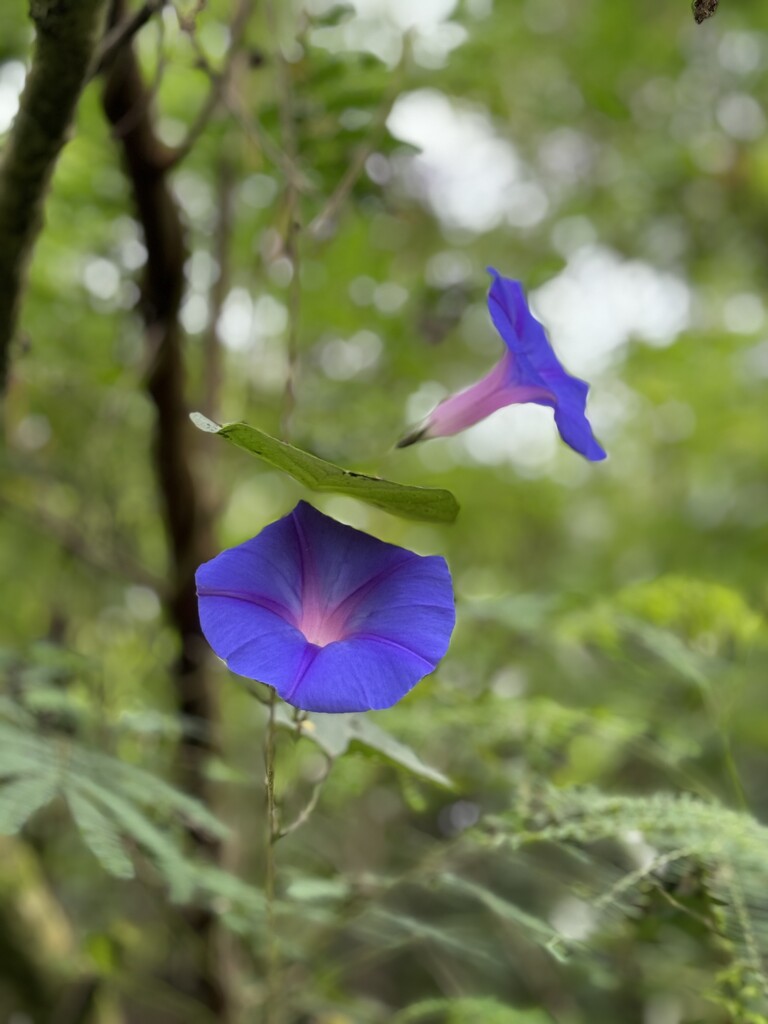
x,y
66,33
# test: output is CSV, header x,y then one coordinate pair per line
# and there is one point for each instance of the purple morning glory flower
x,y
528,372
333,618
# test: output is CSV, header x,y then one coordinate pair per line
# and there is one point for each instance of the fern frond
x,y
137,827
22,752
21,798
99,835
666,820
144,788
730,845
116,807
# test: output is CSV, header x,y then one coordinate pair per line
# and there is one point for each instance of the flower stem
x,y
272,833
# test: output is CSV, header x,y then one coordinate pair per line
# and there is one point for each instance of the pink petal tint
x,y
333,618
529,371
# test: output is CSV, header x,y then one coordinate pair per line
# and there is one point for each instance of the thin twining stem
x,y
304,815
265,144
220,81
294,312
272,834
323,225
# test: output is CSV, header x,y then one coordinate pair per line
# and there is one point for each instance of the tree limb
x,y
123,33
219,80
324,224
65,42
222,240
127,105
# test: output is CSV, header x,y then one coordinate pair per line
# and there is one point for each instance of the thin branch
x,y
219,80
292,227
266,145
212,344
304,815
324,224
80,546
294,312
188,20
123,33
235,104
65,39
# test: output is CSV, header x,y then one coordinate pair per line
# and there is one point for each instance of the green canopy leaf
x,y
430,504
337,734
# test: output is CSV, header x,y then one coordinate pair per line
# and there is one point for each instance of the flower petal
x,y
266,568
254,642
334,619
522,333
571,420
361,674
536,365
336,560
497,389
412,606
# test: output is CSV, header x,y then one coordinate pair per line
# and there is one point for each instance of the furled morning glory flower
x,y
333,618
528,372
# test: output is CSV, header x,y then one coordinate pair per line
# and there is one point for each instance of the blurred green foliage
x,y
612,619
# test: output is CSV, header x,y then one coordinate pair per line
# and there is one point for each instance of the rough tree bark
x,y
66,33
127,104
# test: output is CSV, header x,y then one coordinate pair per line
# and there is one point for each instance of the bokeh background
x,y
611,642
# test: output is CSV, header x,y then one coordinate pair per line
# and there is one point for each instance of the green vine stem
x,y
272,833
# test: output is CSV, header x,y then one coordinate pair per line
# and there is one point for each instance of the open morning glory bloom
x,y
333,618
528,372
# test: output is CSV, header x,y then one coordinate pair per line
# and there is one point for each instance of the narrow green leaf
x,y
144,788
429,504
498,906
336,734
311,890
393,923
21,798
100,836
365,734
228,891
469,1010
166,855
14,713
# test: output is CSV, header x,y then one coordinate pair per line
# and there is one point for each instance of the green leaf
x,y
429,504
467,1011
393,926
20,799
227,890
141,787
100,836
167,856
337,734
317,890
499,906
